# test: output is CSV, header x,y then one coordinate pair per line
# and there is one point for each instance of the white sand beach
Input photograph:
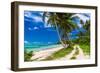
x,y
45,53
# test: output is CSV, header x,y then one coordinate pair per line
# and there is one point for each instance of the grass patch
x,y
85,48
61,53
73,58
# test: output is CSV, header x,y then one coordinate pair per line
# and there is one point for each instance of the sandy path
x,y
79,56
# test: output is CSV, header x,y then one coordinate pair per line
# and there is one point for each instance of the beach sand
x,y
45,53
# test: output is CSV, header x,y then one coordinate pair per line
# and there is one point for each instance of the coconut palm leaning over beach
x,y
63,23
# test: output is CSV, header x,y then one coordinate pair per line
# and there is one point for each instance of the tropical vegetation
x,y
27,55
63,23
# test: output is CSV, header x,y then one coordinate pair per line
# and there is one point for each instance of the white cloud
x,y
29,28
35,28
36,42
46,25
37,19
80,25
41,13
34,17
26,42
82,17
27,14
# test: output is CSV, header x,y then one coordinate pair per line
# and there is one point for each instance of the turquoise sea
x,y
40,47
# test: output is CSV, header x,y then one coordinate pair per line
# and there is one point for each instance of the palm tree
x,y
87,25
85,35
84,21
53,20
63,22
87,28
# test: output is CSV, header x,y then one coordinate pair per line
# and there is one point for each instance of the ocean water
x,y
40,47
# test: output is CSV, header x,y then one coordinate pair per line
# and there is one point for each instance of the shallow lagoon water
x,y
41,47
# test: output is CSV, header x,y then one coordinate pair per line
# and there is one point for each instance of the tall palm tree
x,y
63,22
53,20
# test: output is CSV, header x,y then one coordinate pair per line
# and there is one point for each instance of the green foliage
x,y
84,44
87,25
85,48
65,24
73,57
27,55
84,38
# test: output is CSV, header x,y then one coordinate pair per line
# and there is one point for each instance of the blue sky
x,y
38,32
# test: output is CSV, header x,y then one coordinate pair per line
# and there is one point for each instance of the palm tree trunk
x,y
64,45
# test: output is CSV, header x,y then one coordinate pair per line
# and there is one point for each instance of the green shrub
x,y
27,55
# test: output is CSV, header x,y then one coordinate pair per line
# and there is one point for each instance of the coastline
x,y
43,48
68,54
42,54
